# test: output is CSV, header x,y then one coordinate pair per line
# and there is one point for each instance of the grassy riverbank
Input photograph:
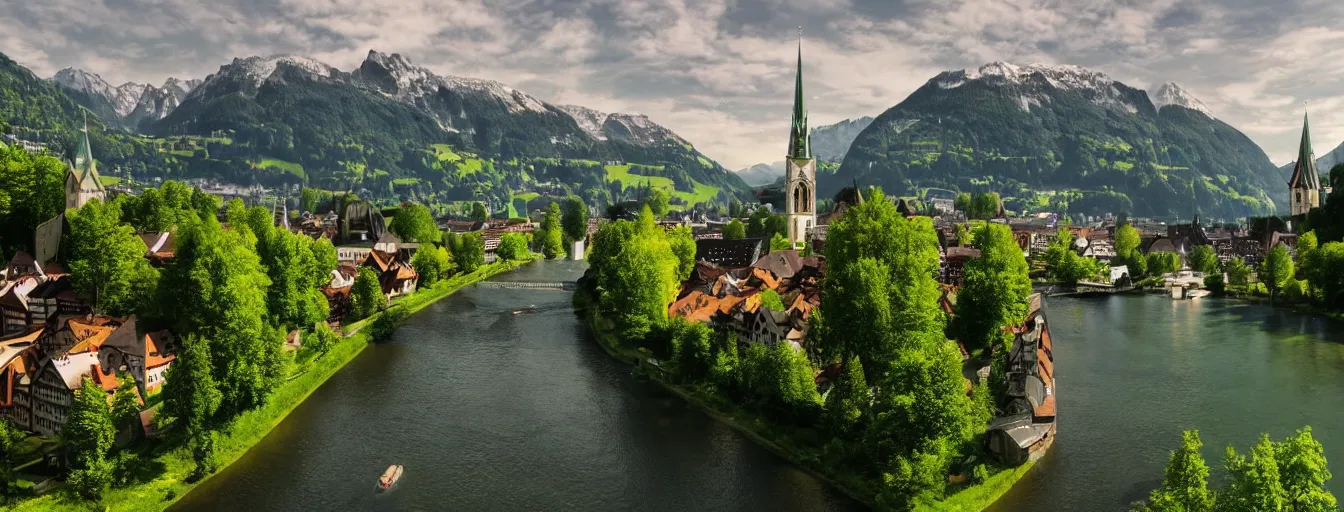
x,y
786,443
168,462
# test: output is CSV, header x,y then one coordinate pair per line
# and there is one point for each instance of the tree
x,y
294,297
1276,270
432,263
771,300
415,223
964,238
320,340
11,439
125,403
550,237
848,398
88,434
512,247
191,397
478,212
1185,487
217,288
575,219
659,201
1126,239
636,270
107,261
1254,483
1303,473
986,206
1202,259
734,230
324,253
683,247
366,296
779,243
695,354
963,203
994,289
32,191
763,224
1163,263
469,251
1238,273
1065,265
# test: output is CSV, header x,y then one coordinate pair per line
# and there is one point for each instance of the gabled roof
x,y
73,367
783,264
22,258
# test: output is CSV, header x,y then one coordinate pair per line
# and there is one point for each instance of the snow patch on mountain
x,y
637,128
122,98
588,119
1172,94
1101,89
831,142
410,82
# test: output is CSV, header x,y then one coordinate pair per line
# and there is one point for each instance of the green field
x,y
703,193
445,153
109,180
470,166
518,204
282,165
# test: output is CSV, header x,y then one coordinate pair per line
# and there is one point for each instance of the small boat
x,y
389,477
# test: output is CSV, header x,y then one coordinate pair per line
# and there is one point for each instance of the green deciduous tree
x,y
1185,487
32,191
763,224
550,239
771,300
125,403
1065,265
1254,483
1202,259
658,201
191,397
1163,263
1126,239
414,223
994,288
11,440
217,287
107,261
324,252
574,219
320,340
734,230
512,247
432,263
88,434
469,251
1238,274
683,246
366,296
848,399
478,212
963,203
294,297
1276,270
1303,473
780,243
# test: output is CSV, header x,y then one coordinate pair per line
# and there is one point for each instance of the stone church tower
x,y
82,182
800,169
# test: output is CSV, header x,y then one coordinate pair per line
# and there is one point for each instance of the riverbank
x,y
172,463
779,441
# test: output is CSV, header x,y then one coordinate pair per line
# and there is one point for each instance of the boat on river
x,y
390,477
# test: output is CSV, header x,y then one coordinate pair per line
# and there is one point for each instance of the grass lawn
x,y
978,497
250,427
405,181
274,163
445,153
109,180
518,204
703,193
470,166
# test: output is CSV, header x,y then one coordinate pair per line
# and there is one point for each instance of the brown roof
x,y
784,263
766,277
22,258
962,252
155,343
104,380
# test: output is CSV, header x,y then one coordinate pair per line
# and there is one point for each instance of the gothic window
x,y
1299,197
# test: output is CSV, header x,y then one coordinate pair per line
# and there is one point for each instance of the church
x,y
82,184
800,178
1304,188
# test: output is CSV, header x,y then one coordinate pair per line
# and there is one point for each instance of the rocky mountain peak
x,y
1172,94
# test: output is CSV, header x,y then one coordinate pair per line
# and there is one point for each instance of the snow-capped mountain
x,y
395,76
247,75
762,174
1172,94
129,102
1096,86
636,128
830,142
122,98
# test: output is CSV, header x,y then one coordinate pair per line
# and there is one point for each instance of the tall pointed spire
x,y
1304,171
798,136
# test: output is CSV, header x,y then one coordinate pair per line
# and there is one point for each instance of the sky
x,y
720,72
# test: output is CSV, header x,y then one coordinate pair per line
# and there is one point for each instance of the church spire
x,y
798,136
1304,171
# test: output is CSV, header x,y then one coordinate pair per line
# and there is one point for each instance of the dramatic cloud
x,y
720,72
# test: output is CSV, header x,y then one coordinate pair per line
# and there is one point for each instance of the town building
x,y
145,357
1304,188
800,169
18,357
14,317
1028,425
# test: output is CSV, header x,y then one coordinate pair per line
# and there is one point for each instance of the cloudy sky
x,y
719,72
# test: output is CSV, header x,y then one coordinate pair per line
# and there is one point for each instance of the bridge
x,y
530,285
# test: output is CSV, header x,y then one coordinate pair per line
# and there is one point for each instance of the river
x,y
1132,372
494,411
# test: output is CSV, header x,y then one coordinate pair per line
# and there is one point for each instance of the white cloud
x,y
720,73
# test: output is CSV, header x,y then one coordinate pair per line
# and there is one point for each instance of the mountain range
x,y
829,144
390,124
1064,138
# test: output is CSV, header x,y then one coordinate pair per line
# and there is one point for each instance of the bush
x,y
386,324
92,482
512,247
319,341
1214,283
979,474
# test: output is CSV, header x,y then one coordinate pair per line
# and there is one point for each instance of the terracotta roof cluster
x,y
732,296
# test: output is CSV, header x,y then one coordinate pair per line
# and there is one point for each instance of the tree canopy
x,y
414,223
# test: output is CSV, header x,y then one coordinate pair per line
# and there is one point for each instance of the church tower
x,y
800,178
81,181
1304,188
